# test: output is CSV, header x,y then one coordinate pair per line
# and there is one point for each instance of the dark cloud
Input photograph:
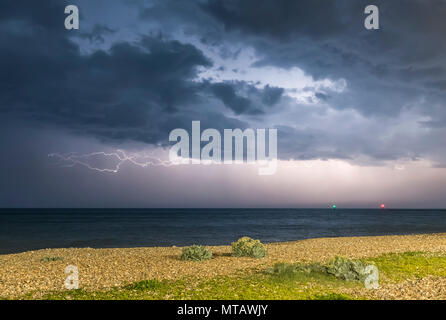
x,y
322,96
133,91
97,33
271,95
227,93
280,19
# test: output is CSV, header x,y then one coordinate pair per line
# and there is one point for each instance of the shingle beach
x,y
105,268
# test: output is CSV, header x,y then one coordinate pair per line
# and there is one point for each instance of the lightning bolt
x,y
142,160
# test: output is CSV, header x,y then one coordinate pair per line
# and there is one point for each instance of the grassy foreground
x,y
397,270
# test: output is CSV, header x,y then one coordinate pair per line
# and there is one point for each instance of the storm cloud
x,y
138,69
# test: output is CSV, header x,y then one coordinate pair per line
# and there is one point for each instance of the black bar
x,y
226,309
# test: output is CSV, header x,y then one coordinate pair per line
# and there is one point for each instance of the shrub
x,y
247,247
290,269
196,253
282,269
49,259
346,269
341,268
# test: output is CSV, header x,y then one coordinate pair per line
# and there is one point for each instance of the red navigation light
x,y
383,206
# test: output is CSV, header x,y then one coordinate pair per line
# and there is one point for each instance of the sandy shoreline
x,y
105,268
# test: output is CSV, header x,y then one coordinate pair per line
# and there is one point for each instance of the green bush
x,y
196,253
346,269
247,247
341,268
49,259
291,269
282,269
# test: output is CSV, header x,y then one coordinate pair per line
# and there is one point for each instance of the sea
x,y
31,229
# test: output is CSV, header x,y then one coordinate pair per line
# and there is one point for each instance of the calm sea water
x,y
23,230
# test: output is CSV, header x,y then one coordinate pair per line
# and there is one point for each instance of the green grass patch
x,y
402,266
241,287
146,285
332,296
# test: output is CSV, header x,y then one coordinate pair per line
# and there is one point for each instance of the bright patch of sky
x,y
238,64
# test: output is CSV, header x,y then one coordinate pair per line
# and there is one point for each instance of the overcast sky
x,y
360,114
